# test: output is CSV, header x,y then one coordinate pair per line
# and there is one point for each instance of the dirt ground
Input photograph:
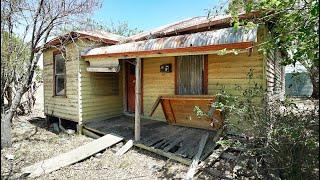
x,y
34,141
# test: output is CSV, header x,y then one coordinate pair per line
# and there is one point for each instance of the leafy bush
x,y
283,138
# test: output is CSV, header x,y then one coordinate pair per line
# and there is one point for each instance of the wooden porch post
x,y
137,100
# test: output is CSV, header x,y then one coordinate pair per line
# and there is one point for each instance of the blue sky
x,y
148,14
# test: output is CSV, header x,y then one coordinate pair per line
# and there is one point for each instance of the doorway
x,y
131,84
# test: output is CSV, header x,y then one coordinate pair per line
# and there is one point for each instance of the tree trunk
x,y
9,95
6,120
315,89
5,133
314,76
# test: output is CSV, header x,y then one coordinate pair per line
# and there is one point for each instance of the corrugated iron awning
x,y
104,66
203,41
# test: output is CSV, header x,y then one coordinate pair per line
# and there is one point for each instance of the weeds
x,y
282,138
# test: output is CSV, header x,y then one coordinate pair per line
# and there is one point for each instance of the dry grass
x,y
33,141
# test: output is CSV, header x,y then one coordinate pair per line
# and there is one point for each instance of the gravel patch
x,y
33,141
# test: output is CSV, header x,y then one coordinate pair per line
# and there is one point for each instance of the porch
x,y
174,142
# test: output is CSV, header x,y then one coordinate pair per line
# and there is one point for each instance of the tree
x,y
119,28
122,28
25,28
294,27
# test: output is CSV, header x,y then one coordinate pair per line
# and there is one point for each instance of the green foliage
x,y
235,108
14,57
199,113
122,28
224,52
293,30
119,28
282,137
291,141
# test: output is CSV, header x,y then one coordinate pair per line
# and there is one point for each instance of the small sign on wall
x,y
166,68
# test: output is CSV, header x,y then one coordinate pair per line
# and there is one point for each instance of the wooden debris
x,y
165,154
196,159
125,148
175,142
213,157
90,134
71,157
215,139
172,144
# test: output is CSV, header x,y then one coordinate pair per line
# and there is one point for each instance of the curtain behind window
x,y
190,74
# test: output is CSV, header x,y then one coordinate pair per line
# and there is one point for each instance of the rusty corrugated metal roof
x,y
167,28
103,35
215,37
187,25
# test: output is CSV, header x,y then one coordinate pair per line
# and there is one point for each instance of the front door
x,y
131,84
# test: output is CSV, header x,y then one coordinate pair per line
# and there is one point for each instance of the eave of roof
x,y
214,40
196,50
104,37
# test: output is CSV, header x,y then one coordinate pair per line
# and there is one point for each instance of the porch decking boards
x,y
179,141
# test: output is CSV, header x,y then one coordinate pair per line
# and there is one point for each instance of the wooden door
x,y
131,84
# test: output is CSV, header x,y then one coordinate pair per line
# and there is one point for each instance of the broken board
x,y
125,148
196,159
71,157
179,110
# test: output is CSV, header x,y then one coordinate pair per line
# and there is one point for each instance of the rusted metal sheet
x,y
189,24
165,29
102,35
215,37
99,36
179,110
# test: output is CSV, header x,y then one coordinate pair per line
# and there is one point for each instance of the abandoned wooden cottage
x,y
145,87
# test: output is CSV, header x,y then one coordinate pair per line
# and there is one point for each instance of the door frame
x,y
126,68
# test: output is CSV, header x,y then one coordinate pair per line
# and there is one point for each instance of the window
x,y
191,78
59,74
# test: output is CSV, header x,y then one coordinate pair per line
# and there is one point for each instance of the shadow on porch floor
x,y
175,142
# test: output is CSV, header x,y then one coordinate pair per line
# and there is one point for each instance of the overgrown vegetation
x,y
283,137
293,29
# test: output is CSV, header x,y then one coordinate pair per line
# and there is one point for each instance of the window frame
x,y
204,76
63,53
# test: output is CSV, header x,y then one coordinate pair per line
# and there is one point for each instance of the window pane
x,y
59,64
190,74
60,89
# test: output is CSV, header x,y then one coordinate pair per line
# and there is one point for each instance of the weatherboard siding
x,y
156,83
98,97
65,107
227,71
230,71
275,85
